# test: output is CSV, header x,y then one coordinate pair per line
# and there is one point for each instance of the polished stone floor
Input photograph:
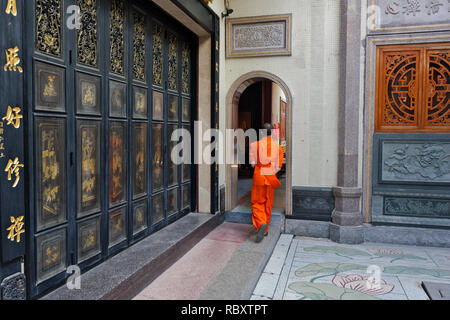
x,y
317,269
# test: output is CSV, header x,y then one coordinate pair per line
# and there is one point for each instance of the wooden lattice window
x,y
413,88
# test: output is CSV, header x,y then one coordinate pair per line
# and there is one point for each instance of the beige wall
x,y
311,73
204,115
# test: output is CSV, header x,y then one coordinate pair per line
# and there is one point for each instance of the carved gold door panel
x,y
117,226
117,99
186,110
140,103
158,208
186,166
87,34
117,37
158,55
88,239
139,216
172,165
88,137
88,94
139,46
158,156
413,88
139,160
186,196
173,108
117,163
172,202
51,254
50,169
158,105
48,30
49,87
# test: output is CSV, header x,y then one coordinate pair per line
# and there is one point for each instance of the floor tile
x,y
440,257
266,285
413,288
285,272
402,267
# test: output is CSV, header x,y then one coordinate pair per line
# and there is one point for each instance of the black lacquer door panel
x,y
104,102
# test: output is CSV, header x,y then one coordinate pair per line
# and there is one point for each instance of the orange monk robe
x,y
267,157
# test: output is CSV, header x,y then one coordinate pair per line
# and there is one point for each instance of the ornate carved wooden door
x,y
104,101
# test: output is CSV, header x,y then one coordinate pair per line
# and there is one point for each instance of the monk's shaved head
x,y
268,127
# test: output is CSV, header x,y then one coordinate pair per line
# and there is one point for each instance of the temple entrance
x,y
261,101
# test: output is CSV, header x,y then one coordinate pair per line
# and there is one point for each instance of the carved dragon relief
x,y
412,162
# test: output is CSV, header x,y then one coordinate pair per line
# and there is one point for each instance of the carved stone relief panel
x,y
410,15
416,207
422,162
259,36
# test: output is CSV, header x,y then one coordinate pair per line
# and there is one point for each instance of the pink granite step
x,y
189,276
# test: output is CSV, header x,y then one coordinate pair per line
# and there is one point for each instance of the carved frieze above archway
x,y
259,36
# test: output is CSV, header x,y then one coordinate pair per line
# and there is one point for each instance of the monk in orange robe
x,y
266,156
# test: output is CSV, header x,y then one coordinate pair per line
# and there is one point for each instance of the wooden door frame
x,y
370,80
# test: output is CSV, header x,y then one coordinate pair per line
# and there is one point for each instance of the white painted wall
x,y
312,75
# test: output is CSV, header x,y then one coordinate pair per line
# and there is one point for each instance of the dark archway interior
x,y
261,102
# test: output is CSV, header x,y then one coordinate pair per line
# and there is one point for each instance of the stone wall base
x,y
369,233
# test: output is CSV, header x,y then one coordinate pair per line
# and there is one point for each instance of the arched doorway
x,y
232,102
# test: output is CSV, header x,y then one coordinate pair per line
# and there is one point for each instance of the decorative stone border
x,y
312,203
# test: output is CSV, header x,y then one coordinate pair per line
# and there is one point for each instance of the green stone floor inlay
x,y
319,269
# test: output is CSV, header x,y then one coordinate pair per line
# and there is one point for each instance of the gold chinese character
x,y
12,60
11,7
16,229
13,167
13,117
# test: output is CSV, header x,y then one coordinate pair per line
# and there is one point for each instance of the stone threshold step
x,y
245,217
239,276
126,274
